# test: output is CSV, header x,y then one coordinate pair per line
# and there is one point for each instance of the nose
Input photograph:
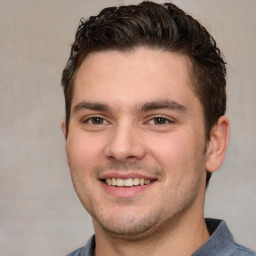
x,y
125,144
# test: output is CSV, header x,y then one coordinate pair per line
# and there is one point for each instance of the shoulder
x,y
76,252
221,242
240,250
87,250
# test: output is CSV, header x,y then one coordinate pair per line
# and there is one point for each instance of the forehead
x,y
142,74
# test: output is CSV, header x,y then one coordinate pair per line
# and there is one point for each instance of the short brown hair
x,y
158,27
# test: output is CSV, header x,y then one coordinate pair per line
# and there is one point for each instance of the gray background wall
x,y
39,211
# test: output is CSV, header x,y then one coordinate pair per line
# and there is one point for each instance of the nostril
x,y
130,157
122,159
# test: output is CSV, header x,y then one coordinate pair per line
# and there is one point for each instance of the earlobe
x,y
217,145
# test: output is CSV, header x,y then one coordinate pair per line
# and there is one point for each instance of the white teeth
x,y
113,182
126,182
146,182
136,181
120,182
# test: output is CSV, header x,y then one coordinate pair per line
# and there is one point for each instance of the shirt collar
x,y
221,239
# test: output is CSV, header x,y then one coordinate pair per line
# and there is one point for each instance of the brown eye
x,y
160,120
95,120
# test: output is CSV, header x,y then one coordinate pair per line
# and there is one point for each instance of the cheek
x,y
83,152
172,149
179,155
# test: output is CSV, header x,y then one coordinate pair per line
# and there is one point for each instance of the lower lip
x,y
125,191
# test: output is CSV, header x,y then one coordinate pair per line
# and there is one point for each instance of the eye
x,y
95,120
159,121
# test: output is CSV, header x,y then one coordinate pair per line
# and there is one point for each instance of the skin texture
x,y
133,115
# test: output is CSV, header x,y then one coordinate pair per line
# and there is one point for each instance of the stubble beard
x,y
152,222
129,227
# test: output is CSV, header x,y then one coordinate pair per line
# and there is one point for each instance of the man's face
x,y
136,143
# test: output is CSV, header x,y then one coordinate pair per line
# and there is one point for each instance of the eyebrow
x,y
163,104
144,107
91,106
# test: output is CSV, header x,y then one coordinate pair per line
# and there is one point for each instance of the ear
x,y
64,130
217,145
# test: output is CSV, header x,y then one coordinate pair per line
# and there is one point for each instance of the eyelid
x,y
171,119
90,117
168,119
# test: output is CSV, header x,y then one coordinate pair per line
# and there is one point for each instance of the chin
x,y
130,226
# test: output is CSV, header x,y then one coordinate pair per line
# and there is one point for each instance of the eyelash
x,y
90,120
100,120
160,118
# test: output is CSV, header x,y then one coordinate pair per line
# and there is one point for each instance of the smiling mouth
x,y
127,182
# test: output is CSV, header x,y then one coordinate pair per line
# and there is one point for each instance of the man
x,y
145,128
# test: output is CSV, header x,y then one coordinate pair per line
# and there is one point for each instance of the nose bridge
x,y
125,142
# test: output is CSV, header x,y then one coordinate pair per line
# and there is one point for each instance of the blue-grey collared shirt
x,y
221,243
